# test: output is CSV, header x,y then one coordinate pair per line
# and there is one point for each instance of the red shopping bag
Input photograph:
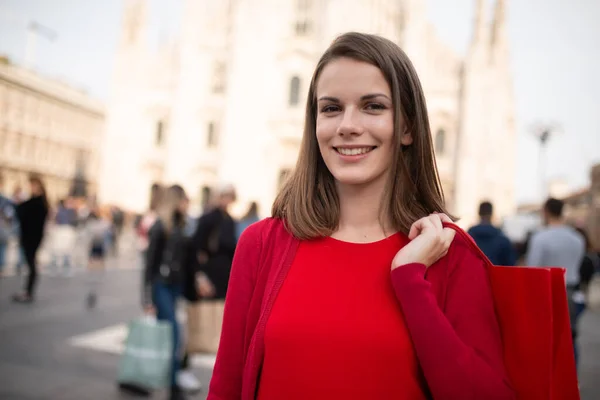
x,y
531,306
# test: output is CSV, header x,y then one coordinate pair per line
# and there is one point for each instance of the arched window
x,y
158,136
211,135
303,17
440,141
294,91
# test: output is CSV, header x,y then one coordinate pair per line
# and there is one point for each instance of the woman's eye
x,y
330,108
375,106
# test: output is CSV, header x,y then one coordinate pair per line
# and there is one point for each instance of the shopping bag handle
x,y
467,238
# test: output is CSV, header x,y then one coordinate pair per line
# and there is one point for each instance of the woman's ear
x,y
406,139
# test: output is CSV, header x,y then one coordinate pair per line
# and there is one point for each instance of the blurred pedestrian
x,y
17,198
118,220
165,257
147,220
340,295
186,379
7,219
559,244
98,229
5,233
491,240
589,265
214,243
32,215
63,237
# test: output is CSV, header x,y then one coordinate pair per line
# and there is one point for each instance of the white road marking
x,y
112,340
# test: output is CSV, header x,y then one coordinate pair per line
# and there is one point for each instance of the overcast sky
x,y
554,51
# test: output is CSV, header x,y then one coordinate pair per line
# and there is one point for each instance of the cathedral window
x,y
294,91
211,135
219,76
303,22
159,133
440,141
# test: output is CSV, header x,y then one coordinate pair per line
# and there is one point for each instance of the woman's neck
x,y
360,213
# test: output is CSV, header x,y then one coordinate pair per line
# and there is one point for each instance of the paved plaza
x,y
57,349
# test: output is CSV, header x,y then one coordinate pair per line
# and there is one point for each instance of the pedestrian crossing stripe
x,y
111,340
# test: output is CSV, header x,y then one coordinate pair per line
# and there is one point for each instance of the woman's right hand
x,y
429,241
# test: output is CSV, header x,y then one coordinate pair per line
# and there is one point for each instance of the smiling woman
x,y
355,289
365,116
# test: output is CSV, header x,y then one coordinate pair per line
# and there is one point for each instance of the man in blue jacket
x,y
495,245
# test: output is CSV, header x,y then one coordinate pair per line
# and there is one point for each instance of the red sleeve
x,y
226,382
460,351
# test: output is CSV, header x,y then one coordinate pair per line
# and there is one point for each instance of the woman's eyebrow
x,y
370,96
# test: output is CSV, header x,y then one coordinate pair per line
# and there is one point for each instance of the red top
x,y
448,309
336,330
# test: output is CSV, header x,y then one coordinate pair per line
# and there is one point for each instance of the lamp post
x,y
543,132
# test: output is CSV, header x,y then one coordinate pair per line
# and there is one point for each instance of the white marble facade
x,y
47,128
226,102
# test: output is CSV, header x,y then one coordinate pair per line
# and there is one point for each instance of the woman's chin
x,y
354,180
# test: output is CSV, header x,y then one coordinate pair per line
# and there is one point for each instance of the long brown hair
x,y
168,207
308,201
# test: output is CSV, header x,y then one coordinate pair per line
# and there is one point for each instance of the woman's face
x,y
355,122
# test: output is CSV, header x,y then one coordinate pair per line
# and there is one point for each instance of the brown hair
x,y
168,207
308,201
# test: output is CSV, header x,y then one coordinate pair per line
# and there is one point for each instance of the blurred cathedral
x,y
225,103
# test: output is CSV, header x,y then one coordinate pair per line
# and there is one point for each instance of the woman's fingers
x,y
436,222
445,218
419,227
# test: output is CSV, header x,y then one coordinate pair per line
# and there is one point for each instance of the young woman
x,y
165,256
354,289
32,215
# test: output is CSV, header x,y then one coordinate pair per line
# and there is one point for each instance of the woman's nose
x,y
350,122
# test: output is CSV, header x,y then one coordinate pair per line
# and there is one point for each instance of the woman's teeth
x,y
354,151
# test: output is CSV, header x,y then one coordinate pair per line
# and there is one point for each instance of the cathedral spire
x,y
498,23
479,22
134,22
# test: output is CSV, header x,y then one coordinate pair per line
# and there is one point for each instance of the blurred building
x,y
50,129
226,102
582,207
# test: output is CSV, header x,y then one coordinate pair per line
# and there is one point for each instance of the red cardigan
x,y
448,309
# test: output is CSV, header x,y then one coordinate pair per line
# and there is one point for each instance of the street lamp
x,y
543,132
